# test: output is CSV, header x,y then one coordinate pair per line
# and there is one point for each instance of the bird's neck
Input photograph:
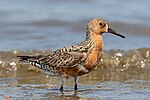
x,y
95,39
96,50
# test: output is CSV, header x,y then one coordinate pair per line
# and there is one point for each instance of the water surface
x,y
120,75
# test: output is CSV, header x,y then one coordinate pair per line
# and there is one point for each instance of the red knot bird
x,y
76,60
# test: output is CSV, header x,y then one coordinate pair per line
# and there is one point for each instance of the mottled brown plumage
x,y
75,60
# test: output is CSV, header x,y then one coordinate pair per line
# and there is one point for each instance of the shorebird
x,y
76,60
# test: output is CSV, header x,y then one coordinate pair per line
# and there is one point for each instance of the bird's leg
x,y
61,88
63,79
75,83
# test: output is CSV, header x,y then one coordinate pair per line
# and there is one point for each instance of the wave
x,y
114,65
139,58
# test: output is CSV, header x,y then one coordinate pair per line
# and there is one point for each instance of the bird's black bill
x,y
110,30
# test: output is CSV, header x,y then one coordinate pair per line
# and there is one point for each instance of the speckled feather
x,y
66,57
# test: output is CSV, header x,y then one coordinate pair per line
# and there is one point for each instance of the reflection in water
x,y
63,96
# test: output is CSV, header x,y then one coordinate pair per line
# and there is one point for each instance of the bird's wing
x,y
67,59
63,59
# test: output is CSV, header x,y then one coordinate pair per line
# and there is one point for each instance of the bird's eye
x,y
101,24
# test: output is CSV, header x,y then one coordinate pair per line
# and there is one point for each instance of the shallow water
x,y
119,75
127,90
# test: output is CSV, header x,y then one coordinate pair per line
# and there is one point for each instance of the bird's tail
x,y
24,58
40,62
36,61
29,58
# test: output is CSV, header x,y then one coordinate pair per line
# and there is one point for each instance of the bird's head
x,y
99,26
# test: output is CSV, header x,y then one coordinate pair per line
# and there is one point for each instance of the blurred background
x,y
43,24
31,27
